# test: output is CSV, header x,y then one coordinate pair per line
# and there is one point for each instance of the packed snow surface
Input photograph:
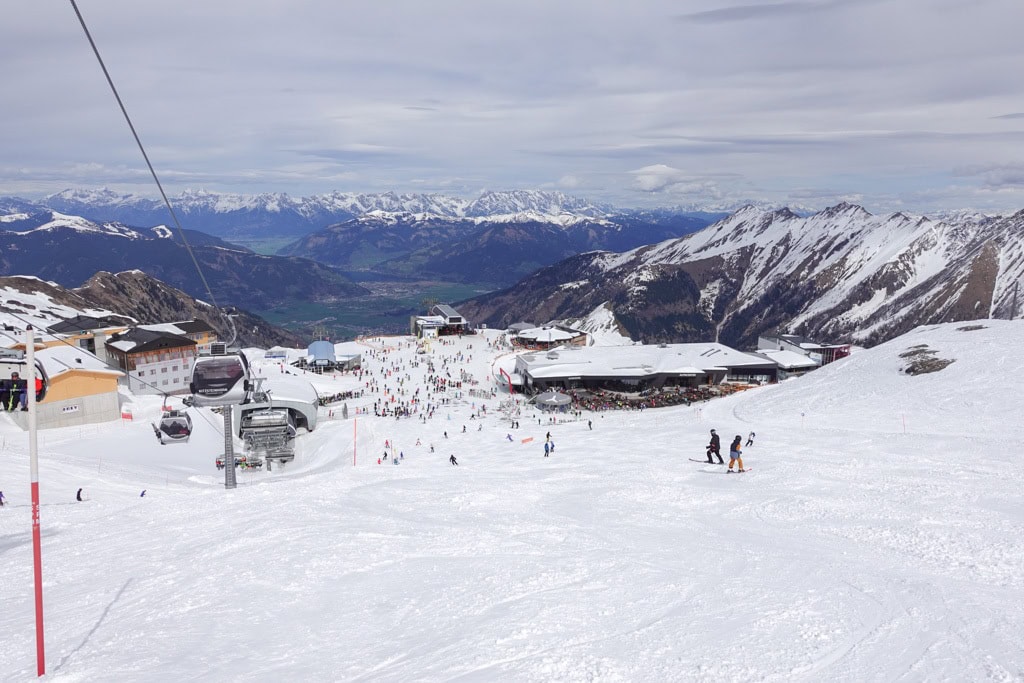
x,y
878,535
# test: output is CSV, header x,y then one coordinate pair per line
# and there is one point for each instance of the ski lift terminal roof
x,y
450,315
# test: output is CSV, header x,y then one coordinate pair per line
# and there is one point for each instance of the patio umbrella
x,y
553,398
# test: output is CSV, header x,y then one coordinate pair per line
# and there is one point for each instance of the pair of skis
x,y
705,462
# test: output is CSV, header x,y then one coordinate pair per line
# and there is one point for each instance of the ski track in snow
x,y
878,537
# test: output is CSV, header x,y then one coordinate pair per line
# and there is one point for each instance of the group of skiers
x,y
735,450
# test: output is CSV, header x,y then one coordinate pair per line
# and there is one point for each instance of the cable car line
x,y
152,171
222,380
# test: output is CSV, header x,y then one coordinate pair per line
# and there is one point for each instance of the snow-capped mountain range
x,y
840,274
273,214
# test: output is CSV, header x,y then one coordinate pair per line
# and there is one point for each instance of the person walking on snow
x,y
1,499
452,460
547,448
715,447
735,453
750,439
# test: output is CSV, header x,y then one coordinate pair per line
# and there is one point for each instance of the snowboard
x,y
706,462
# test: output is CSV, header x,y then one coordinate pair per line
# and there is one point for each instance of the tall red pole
x,y
33,454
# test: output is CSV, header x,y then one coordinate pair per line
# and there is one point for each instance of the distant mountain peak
x,y
844,209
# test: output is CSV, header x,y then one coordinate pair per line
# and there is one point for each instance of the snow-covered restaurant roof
x,y
638,361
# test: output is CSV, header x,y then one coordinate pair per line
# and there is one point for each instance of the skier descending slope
x,y
736,453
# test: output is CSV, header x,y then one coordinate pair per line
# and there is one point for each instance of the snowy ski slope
x,y
878,536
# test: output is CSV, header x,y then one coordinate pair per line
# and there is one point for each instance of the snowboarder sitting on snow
x,y
735,453
750,439
452,460
715,447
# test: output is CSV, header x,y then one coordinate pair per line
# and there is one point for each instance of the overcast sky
x,y
915,104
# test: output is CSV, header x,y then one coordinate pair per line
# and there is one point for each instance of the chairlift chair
x,y
220,380
14,381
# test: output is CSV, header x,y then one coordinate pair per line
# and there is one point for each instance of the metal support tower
x,y
229,450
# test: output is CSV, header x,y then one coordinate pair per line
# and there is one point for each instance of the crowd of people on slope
x,y
339,396
600,400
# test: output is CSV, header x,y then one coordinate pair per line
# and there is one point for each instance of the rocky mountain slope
x,y
147,300
839,275
135,298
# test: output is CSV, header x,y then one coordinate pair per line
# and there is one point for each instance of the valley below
x,y
385,310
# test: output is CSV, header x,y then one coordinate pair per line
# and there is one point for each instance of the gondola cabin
x,y
175,427
14,381
220,380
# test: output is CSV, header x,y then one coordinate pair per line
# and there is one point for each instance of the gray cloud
x,y
775,10
994,176
761,101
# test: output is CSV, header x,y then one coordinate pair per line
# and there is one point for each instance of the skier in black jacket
x,y
715,447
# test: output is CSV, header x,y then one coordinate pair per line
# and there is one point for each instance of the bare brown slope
x,y
146,299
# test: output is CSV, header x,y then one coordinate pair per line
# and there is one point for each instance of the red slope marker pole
x,y
37,550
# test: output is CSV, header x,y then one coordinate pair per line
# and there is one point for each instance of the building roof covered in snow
x,y
83,323
142,339
789,360
63,358
638,361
